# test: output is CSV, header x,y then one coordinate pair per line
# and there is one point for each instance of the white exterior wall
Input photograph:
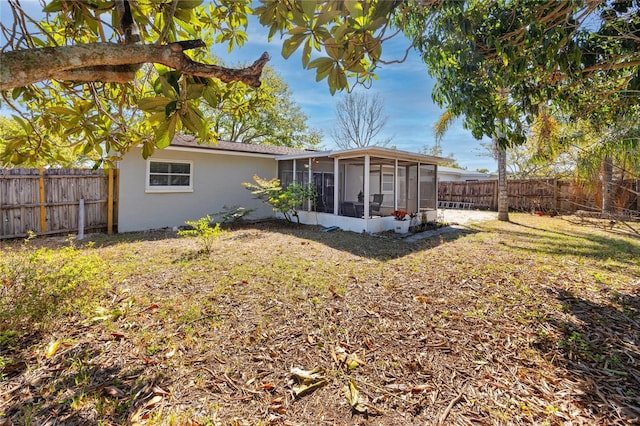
x,y
217,181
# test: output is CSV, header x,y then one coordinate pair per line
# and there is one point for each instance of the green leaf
x,y
170,108
212,96
194,121
188,4
54,6
15,93
147,149
308,8
194,91
155,104
291,44
62,110
165,131
354,7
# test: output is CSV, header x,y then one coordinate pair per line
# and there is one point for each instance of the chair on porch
x,y
374,206
347,208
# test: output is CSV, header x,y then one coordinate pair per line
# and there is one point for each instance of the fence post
x,y
555,195
81,219
110,202
43,216
495,196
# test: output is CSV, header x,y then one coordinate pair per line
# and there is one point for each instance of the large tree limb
x,y
108,62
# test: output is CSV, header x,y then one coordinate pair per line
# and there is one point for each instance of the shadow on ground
x,y
599,348
382,246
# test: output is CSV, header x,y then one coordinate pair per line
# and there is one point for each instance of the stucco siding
x,y
217,182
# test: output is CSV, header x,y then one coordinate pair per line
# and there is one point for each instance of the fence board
x,y
539,194
20,205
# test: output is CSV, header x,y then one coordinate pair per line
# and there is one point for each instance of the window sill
x,y
167,190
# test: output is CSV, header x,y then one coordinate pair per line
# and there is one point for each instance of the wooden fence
x,y
47,201
538,194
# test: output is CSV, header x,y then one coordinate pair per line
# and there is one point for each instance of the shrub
x,y
204,231
286,201
231,215
44,284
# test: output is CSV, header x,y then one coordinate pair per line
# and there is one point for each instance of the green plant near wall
x,y
204,231
283,200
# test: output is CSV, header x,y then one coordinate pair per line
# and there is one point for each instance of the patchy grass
x,y
532,321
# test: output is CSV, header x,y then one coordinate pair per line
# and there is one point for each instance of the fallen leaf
x,y
113,391
52,348
159,391
357,402
350,360
307,381
154,401
421,388
149,361
422,299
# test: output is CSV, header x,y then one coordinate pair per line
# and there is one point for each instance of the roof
x,y
463,173
372,151
187,141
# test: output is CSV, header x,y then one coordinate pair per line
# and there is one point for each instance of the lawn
x,y
532,321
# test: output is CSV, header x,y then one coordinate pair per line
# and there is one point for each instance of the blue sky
x,y
405,89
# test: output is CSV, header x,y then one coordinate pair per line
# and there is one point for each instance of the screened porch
x,y
359,189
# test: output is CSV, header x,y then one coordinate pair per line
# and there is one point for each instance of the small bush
x,y
283,200
44,284
203,230
231,215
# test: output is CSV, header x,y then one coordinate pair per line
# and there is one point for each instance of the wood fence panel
x,y
20,204
479,194
539,194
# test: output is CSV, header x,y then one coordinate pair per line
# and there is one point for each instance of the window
x,y
169,176
387,183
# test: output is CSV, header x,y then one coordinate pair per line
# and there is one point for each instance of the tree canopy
x,y
265,115
108,74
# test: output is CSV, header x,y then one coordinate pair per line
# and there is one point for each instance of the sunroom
x,y
360,189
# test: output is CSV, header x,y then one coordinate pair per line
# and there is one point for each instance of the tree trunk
x,y
607,185
503,196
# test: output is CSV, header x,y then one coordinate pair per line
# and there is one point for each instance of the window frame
x,y
168,188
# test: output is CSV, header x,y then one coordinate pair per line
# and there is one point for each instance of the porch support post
x,y
295,162
336,188
435,185
418,186
367,172
309,185
396,181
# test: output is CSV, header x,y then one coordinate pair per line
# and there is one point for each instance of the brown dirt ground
x,y
451,330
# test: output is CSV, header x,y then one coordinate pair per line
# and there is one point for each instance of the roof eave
x,y
372,151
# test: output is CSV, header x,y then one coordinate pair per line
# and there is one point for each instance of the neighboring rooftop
x,y
452,173
187,141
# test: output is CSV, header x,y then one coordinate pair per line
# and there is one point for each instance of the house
x,y
452,174
186,181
